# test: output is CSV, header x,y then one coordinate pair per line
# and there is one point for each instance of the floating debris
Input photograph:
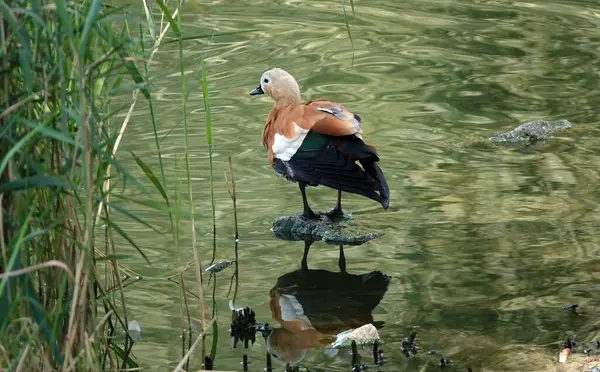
x,y
444,362
569,344
134,330
219,266
381,357
408,344
289,368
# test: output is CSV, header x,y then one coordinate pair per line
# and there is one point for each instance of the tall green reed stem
x,y
210,157
197,262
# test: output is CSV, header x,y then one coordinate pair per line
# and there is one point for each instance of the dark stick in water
x,y
236,236
269,366
354,354
376,352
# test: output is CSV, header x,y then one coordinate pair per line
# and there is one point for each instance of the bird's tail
x,y
373,170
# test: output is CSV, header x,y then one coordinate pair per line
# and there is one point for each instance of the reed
x,y
62,65
348,24
61,276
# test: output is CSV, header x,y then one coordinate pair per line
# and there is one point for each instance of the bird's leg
x,y
307,213
337,210
342,260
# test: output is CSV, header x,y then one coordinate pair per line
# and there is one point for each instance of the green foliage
x,y
62,64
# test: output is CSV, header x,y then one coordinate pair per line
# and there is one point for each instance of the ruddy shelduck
x,y
318,143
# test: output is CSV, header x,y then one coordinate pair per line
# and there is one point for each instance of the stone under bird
x,y
318,143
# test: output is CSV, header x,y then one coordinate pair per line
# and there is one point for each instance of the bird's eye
x,y
265,80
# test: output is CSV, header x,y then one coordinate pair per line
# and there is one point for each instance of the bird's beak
x,y
257,90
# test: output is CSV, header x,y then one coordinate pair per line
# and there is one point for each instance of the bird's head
x,y
279,85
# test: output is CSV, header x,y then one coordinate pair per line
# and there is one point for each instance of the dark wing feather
x,y
334,166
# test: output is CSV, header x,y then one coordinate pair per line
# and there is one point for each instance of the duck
x,y
318,142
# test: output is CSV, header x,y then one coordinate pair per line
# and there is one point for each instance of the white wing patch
x,y
292,310
284,148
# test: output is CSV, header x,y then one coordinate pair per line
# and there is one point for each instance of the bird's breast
x,y
283,147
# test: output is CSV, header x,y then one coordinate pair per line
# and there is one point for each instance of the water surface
x,y
484,245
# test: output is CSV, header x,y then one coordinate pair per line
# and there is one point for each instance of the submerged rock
x,y
332,231
529,133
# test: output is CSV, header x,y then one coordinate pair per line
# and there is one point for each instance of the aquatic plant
x,y
61,277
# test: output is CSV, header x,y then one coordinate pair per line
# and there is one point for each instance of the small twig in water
x,y
236,236
191,350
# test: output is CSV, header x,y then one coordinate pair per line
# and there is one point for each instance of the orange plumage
x,y
307,116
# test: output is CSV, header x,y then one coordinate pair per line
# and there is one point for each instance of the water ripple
x,y
483,244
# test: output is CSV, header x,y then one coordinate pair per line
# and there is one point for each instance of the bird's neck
x,y
286,96
284,102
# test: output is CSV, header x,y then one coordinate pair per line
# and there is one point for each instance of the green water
x,y
484,245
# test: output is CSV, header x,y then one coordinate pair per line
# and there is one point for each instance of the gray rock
x,y
332,231
530,133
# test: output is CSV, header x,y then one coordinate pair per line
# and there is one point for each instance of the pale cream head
x,y
279,85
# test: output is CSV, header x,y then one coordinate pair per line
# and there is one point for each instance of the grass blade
x,y
51,133
89,21
65,20
32,182
128,214
210,154
13,150
24,57
348,27
150,20
197,263
207,36
206,105
135,75
151,176
170,19
121,232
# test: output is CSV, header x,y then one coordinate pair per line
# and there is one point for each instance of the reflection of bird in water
x,y
313,306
